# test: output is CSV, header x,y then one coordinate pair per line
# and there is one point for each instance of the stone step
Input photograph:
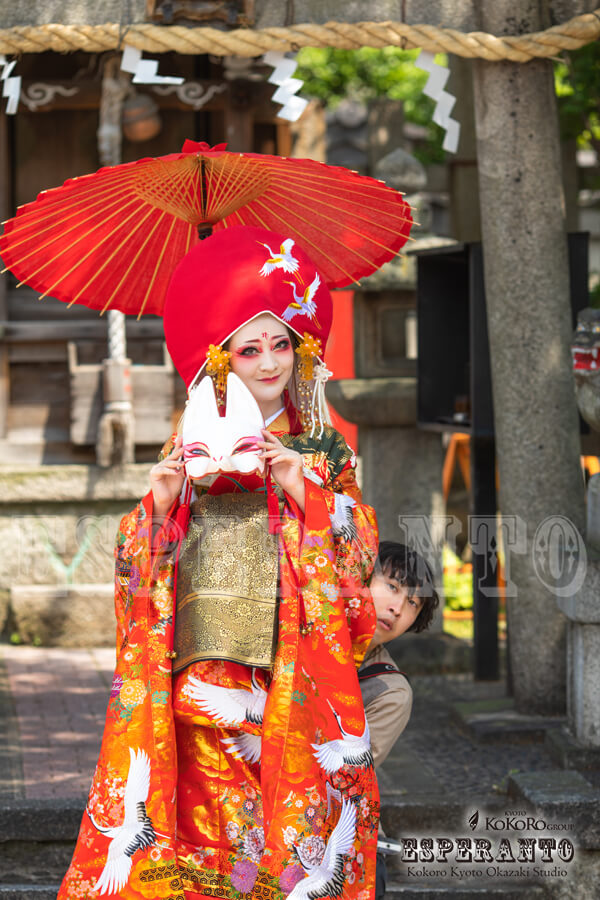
x,y
569,753
28,891
37,838
496,720
40,820
402,891
440,812
562,796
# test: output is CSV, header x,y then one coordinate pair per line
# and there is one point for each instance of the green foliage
x,y
458,581
331,75
459,628
577,84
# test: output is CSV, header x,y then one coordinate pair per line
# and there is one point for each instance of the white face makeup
x,y
262,356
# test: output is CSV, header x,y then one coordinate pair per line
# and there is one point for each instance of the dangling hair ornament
x,y
318,406
310,369
307,349
217,366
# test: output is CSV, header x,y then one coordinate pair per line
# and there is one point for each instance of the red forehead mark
x,y
264,334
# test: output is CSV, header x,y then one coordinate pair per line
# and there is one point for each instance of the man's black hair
x,y
410,569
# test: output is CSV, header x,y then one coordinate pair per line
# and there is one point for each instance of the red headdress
x,y
231,278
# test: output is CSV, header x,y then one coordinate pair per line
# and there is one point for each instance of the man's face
x,y
395,610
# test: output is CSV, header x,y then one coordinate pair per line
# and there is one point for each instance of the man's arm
x,y
387,712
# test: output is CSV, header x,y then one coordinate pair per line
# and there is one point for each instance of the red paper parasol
x,y
111,240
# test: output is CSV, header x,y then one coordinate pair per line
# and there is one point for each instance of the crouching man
x,y
405,599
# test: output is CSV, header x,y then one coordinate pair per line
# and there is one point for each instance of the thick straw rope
x,y
570,35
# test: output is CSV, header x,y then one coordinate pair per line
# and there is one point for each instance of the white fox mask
x,y
214,443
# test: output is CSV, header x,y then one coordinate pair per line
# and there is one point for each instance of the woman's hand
x,y
167,478
286,466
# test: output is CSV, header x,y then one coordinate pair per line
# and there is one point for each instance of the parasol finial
x,y
204,230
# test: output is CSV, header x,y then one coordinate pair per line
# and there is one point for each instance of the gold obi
x,y
227,583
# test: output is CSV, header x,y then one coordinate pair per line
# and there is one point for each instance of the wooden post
x,y
465,220
483,537
485,603
239,118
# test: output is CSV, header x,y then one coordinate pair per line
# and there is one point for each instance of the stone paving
x,y
449,755
59,700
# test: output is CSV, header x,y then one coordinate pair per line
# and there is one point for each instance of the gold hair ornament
x,y
217,366
307,350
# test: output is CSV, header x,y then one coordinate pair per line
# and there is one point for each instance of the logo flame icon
x,y
474,819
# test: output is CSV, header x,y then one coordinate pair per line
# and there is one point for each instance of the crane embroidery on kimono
x,y
332,794
342,518
244,746
135,832
229,706
326,879
303,304
351,750
282,260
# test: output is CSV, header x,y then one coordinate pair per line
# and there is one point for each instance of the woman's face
x,y
262,355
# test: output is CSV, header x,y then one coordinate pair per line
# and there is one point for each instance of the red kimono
x,y
193,800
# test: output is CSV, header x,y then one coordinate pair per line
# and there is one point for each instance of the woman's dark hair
x,y
410,569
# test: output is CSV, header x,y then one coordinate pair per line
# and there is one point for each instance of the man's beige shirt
x,y
388,702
